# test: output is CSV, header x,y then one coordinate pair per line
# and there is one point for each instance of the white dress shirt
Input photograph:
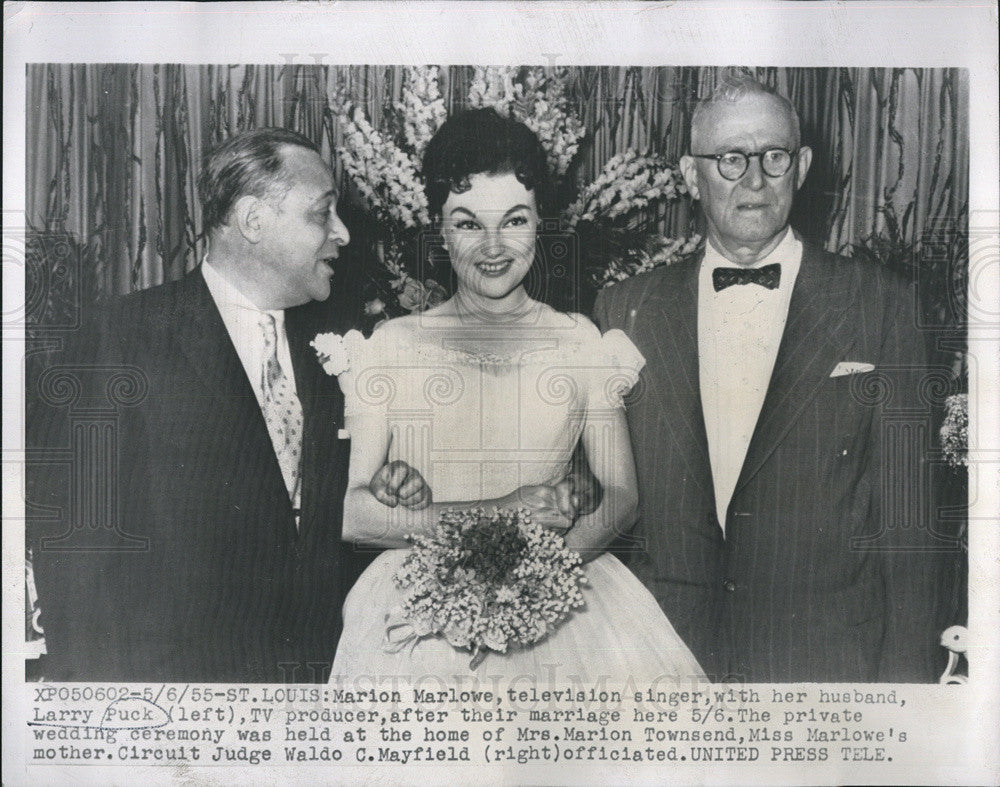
x,y
242,321
739,330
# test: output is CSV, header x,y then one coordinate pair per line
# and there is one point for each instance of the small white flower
x,y
506,595
495,640
457,635
374,306
332,353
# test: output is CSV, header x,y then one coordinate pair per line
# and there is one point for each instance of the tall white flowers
x,y
493,86
422,108
627,182
386,177
537,99
656,250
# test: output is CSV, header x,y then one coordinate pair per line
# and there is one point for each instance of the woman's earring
x,y
437,227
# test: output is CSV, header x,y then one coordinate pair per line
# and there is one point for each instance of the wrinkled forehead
x,y
757,120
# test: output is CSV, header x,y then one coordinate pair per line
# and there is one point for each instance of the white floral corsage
x,y
332,352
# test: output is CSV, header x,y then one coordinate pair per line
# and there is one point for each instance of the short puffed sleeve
x,y
366,382
616,370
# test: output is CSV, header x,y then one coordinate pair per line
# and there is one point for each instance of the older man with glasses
x,y
785,523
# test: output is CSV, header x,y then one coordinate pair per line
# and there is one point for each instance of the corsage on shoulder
x,y
332,352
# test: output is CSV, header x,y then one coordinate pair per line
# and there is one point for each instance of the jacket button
x,y
729,586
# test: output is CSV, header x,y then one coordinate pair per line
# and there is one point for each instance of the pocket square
x,y
343,434
851,367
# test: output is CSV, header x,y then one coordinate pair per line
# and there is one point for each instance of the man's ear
x,y
247,217
689,170
805,160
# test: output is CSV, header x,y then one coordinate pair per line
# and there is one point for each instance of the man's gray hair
x,y
250,163
735,86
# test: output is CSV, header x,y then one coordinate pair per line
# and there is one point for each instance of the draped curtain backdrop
x,y
113,152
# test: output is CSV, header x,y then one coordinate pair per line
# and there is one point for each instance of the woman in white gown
x,y
487,395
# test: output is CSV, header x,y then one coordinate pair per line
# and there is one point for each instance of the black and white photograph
x,y
630,403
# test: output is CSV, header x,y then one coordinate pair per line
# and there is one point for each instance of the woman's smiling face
x,y
489,231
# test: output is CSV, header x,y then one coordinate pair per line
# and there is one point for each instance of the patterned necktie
x,y
768,276
282,411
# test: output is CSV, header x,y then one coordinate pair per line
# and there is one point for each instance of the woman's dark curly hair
x,y
478,141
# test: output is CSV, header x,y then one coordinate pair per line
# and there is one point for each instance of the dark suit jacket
x,y
206,577
828,569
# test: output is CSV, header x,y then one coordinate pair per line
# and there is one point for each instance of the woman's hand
x,y
396,483
552,507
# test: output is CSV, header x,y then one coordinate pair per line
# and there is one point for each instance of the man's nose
x,y
338,230
754,177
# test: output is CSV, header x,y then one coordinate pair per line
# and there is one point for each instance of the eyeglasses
x,y
732,165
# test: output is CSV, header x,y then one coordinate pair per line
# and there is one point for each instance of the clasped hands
x,y
554,506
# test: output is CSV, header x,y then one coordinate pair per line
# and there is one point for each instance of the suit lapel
x,y
816,337
322,406
674,303
305,367
205,343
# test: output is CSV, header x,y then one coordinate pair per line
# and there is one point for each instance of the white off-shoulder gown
x,y
478,425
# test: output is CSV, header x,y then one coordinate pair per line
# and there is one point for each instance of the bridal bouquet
x,y
485,581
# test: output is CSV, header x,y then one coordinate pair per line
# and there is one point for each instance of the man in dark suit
x,y
778,429
219,557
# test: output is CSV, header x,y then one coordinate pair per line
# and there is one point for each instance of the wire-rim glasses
x,y
733,164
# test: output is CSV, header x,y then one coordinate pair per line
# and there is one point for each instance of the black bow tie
x,y
769,276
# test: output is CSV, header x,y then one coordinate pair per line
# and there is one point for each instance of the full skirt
x,y
620,636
